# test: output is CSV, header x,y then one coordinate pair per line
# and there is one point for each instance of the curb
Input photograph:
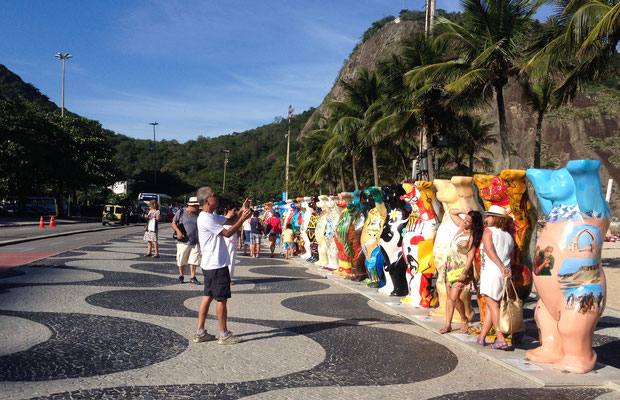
x,y
17,241
547,376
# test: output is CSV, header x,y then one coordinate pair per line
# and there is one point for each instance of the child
x,y
287,238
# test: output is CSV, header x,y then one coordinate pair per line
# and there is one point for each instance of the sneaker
x,y
207,337
230,339
194,281
181,279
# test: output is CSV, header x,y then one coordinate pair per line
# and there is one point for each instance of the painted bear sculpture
x,y
305,218
331,226
371,235
458,192
319,232
509,190
358,210
418,241
567,267
392,240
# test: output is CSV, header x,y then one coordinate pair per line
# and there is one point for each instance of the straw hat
x,y
193,201
496,211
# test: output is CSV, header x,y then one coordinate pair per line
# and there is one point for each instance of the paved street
x,y
103,322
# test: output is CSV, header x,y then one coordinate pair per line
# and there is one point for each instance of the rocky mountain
x,y
568,133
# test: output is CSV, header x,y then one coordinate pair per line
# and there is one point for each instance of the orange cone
x,y
41,223
52,222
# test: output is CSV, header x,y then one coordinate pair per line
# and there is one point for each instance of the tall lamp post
x,y
154,156
63,57
226,152
288,146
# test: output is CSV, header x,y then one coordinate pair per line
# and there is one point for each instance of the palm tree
x,y
485,53
583,44
540,98
353,118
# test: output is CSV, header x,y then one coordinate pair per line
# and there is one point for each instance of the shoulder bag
x,y
181,228
510,311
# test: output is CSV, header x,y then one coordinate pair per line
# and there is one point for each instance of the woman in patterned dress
x,y
463,246
150,234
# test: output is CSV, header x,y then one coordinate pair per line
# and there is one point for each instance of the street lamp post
x,y
225,163
63,57
154,156
288,146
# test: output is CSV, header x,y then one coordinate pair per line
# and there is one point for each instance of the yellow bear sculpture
x,y
457,192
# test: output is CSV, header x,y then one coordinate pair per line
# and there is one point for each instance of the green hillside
x,y
89,157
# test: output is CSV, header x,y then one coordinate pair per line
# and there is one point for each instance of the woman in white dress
x,y
496,250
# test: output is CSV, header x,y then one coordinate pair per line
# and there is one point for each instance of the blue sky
x,y
197,67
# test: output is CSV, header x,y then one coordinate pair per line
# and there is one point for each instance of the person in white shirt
x,y
215,260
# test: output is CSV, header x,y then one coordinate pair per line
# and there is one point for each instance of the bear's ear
x,y
539,179
588,191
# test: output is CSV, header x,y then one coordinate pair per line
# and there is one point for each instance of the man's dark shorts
x,y
217,283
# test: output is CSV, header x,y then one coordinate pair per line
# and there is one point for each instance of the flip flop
x,y
444,330
155,256
481,342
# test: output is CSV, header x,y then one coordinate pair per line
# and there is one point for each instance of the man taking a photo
x,y
214,264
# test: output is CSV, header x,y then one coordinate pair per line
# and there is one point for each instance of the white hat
x,y
496,211
193,201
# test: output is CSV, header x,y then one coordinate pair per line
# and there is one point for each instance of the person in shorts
x,y
185,223
288,237
256,231
247,229
274,232
215,259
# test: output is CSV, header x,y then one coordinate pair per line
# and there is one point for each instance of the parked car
x,y
115,214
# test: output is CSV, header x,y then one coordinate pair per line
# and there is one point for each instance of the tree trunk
x,y
503,129
538,143
58,198
354,171
375,170
341,178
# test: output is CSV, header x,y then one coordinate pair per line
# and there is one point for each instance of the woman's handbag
x,y
453,275
510,311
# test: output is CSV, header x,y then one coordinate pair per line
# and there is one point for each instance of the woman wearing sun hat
x,y
496,249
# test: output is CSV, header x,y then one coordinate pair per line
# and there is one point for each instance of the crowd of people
x,y
209,235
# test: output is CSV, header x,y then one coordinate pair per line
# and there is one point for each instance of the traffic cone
x,y
41,223
52,222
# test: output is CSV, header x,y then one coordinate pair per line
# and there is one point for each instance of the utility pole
x,y
154,156
288,145
63,57
425,162
225,163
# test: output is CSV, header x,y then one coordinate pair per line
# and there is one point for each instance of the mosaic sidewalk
x,y
104,322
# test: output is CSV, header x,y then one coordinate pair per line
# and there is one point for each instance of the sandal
x,y
500,345
445,330
464,329
481,342
147,255
156,256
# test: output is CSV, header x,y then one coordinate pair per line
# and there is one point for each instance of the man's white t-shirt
x,y
212,244
246,225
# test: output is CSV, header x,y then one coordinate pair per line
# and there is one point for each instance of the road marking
x,y
56,243
26,249
80,238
